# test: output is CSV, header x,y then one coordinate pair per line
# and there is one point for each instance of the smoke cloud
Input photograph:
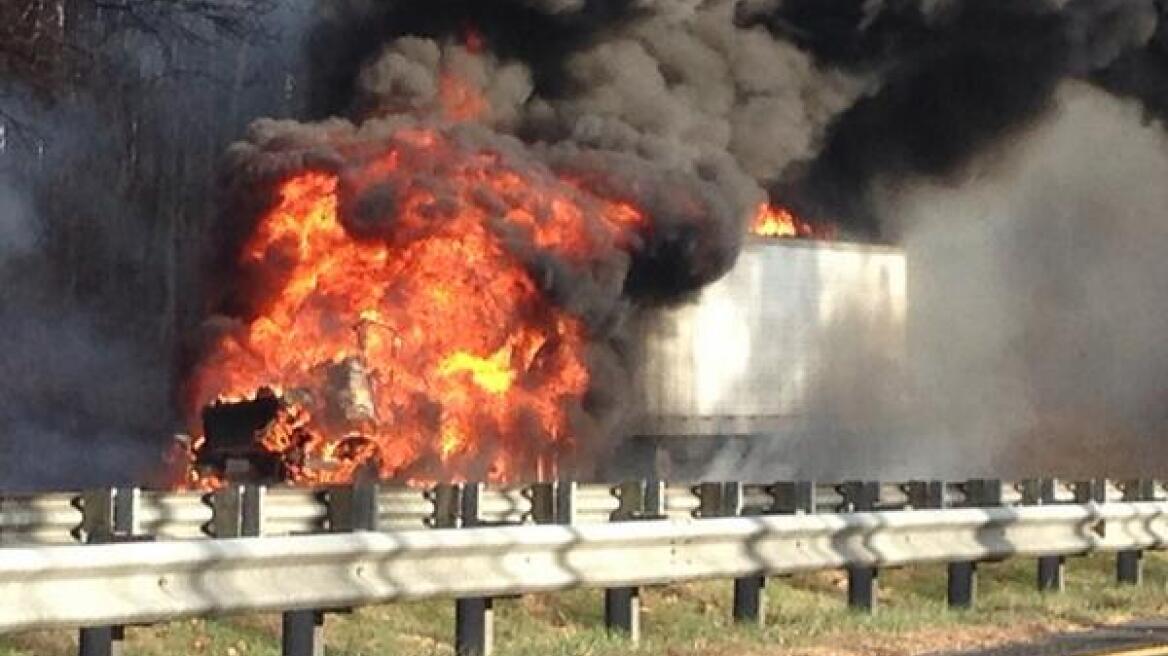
x,y
1038,296
1016,151
18,232
79,403
670,107
1013,146
106,182
1036,313
678,84
949,79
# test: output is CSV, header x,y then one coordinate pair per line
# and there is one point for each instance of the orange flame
x,y
775,221
460,101
429,350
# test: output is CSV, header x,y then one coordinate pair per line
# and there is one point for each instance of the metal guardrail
x,y
158,555
403,509
107,584
291,511
58,518
172,516
43,519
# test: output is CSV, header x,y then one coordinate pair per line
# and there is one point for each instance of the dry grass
x,y
807,617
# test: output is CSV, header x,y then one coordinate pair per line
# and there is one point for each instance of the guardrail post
x,y
474,617
107,515
1129,564
302,633
725,500
543,501
861,496
350,508
239,512
787,497
1051,576
102,641
926,495
622,606
793,497
553,502
447,500
1092,491
962,588
474,626
354,508
622,612
565,502
1052,570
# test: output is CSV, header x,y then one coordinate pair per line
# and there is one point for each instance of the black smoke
x,y
852,111
1142,73
815,101
953,78
540,33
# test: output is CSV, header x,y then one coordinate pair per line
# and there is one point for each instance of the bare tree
x,y
113,117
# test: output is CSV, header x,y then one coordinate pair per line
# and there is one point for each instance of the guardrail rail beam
x,y
46,587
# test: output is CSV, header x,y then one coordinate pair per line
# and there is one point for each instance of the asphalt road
x,y
1142,638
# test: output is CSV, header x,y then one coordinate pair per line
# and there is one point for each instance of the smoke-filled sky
x,y
812,98
952,78
1014,147
1041,295
1038,299
899,120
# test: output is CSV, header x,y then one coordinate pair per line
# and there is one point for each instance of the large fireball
x,y
398,323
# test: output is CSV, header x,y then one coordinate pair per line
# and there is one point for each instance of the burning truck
x,y
423,295
414,348
742,360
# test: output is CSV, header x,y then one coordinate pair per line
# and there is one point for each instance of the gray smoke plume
x,y
677,85
952,78
1036,314
18,232
79,403
108,147
677,82
671,107
879,115
1027,197
1039,297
